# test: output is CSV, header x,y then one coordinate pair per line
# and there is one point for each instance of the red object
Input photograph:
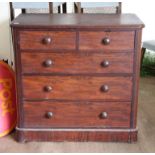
x,y
8,112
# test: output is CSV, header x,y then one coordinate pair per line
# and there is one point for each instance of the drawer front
x,y
47,40
75,114
77,87
77,62
106,40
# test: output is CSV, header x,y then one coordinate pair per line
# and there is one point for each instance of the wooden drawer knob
x,y
104,115
48,63
105,88
105,63
49,115
106,41
47,40
47,88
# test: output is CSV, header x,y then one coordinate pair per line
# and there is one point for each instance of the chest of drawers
x,y
77,76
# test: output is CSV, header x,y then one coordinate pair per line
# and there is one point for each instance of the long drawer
x,y
77,114
77,88
77,62
123,40
45,40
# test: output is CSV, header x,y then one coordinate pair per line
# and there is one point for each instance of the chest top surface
x,y
78,21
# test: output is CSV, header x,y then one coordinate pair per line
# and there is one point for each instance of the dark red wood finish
x,y
126,21
77,88
116,41
47,40
82,136
77,62
77,76
76,114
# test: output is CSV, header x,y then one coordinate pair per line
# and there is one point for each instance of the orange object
x,y
8,112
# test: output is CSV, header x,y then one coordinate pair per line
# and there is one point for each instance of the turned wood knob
x,y
104,115
49,115
47,40
47,88
105,88
48,63
105,63
106,41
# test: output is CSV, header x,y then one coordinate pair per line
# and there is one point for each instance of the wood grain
x,y
85,136
59,40
123,40
121,21
77,87
76,114
74,42
77,62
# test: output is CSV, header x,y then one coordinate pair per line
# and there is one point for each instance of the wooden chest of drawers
x,y
77,76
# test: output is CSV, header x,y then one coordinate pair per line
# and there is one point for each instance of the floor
x,y
146,124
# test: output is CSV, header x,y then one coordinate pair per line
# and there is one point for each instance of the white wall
x,y
5,37
144,9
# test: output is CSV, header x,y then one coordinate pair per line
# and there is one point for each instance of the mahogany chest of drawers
x,y
77,76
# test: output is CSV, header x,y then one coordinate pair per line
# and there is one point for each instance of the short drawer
x,y
47,40
77,87
77,114
77,62
106,40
